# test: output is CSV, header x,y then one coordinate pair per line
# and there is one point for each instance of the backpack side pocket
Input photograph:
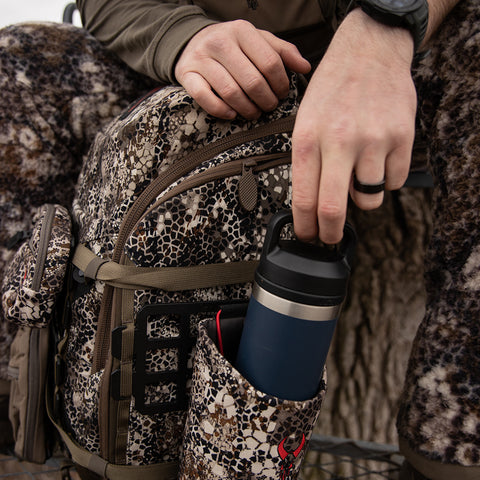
x,y
234,430
35,276
27,370
30,289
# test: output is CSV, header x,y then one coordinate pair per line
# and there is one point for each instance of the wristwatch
x,y
409,14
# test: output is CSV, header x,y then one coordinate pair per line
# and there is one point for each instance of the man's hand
x,y
232,67
358,115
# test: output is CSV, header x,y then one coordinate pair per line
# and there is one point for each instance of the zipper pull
x,y
247,186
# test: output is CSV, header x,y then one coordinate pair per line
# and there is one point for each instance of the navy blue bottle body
x,y
282,355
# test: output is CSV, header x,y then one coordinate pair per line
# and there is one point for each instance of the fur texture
x,y
440,407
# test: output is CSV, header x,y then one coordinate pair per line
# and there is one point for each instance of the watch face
x,y
399,5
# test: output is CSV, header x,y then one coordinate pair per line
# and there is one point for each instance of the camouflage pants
x,y
439,414
59,88
56,98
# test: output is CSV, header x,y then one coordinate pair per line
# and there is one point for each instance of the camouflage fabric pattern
x,y
29,301
57,99
59,88
440,407
203,224
234,431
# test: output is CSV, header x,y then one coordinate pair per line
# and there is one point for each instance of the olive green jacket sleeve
x,y
147,35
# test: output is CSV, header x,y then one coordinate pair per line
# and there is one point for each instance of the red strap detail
x,y
219,333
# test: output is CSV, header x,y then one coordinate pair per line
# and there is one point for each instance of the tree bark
x,y
385,304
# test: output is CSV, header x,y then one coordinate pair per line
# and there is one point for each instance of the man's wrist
x,y
372,38
411,15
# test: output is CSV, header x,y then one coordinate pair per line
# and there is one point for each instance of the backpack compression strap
x,y
164,278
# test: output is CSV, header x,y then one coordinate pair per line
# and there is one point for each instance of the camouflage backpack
x,y
169,217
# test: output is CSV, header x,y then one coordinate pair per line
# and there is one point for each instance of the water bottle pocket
x,y
234,430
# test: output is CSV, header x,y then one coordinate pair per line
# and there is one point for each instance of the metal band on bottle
x,y
293,309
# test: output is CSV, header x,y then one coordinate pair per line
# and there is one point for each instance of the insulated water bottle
x,y
297,297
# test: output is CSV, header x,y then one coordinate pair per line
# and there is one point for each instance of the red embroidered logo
x,y
288,458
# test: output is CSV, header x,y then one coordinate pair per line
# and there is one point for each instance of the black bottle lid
x,y
301,272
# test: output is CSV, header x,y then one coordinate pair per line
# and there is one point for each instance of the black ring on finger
x,y
368,188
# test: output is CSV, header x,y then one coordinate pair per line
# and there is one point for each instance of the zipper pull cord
x,y
248,187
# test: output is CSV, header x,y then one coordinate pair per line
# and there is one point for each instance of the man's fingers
x,y
267,53
397,165
306,171
248,61
366,186
291,57
200,90
251,80
256,66
244,66
377,164
320,183
333,195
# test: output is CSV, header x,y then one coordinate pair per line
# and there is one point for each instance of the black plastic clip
x,y
115,377
162,387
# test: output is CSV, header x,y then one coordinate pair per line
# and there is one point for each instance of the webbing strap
x,y
164,278
126,374
96,464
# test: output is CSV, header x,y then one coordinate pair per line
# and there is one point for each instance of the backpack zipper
x,y
235,167
189,163
42,249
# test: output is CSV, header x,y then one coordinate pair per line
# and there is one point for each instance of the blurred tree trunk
x,y
385,304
